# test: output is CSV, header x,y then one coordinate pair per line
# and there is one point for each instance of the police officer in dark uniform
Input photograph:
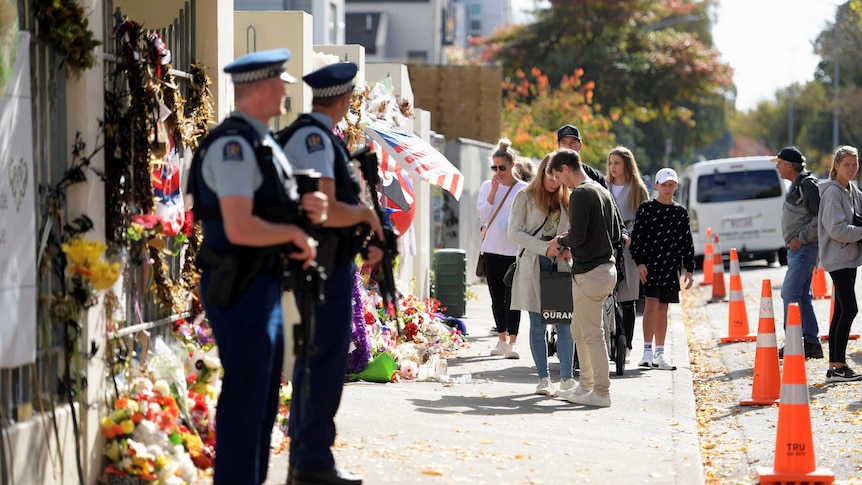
x,y
311,144
245,198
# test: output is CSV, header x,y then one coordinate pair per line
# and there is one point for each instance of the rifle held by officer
x,y
368,166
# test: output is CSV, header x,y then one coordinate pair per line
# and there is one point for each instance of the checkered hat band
x,y
331,91
257,74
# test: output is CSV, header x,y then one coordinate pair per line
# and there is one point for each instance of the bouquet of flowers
x,y
144,440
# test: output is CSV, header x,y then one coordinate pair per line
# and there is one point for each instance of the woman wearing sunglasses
x,y
493,207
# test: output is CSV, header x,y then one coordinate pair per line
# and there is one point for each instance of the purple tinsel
x,y
362,353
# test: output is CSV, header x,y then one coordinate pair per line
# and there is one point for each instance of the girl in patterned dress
x,y
661,247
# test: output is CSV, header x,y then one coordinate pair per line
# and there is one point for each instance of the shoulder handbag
x,y
509,277
480,263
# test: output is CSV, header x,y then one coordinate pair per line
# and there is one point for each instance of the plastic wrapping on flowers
x,y
161,426
423,332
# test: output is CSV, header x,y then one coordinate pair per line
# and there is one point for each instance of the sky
x,y
768,43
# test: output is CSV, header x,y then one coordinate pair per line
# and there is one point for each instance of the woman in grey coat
x,y
629,191
840,254
540,208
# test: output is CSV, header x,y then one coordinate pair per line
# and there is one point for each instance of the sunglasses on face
x,y
500,168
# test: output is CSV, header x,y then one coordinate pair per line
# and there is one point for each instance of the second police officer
x,y
244,195
311,144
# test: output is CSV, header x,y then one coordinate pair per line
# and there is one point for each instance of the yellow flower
x,y
104,275
128,426
85,258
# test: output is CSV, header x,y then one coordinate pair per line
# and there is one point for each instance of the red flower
x,y
410,329
188,222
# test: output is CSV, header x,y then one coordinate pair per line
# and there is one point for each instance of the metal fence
x,y
37,384
25,385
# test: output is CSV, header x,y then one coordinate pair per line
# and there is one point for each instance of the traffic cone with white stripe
x,y
708,259
718,289
767,374
794,447
737,317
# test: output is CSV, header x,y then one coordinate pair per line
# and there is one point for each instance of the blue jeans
x,y
797,288
539,343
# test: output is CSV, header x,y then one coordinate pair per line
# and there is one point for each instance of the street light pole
x,y
835,108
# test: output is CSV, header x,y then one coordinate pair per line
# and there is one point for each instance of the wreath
x,y
64,26
137,139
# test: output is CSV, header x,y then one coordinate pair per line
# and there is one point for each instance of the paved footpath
x,y
494,430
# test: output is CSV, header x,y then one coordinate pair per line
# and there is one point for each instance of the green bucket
x,y
380,369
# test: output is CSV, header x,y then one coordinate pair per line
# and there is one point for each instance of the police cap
x,y
260,65
332,80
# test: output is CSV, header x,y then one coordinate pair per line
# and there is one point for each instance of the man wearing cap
x,y
311,144
246,199
569,137
799,226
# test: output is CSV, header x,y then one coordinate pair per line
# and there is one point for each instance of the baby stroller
x,y
615,337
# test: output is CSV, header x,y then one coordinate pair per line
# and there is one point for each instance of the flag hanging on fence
x,y
418,157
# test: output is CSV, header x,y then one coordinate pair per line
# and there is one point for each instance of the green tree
x,y
654,70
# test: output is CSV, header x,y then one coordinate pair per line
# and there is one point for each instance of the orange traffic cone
x,y
818,284
737,321
767,376
708,259
825,337
718,289
794,448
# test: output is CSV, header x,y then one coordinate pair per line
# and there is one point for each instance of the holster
x,y
225,269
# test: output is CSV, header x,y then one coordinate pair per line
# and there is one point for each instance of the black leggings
x,y
628,308
844,313
501,294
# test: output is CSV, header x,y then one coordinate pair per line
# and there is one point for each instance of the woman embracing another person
x,y
539,214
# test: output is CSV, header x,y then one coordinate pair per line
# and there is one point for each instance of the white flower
x,y
211,359
162,387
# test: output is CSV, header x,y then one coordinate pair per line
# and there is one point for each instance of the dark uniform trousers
x,y
250,339
312,418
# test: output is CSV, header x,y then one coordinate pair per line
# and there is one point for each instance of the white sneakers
x,y
646,361
501,348
545,388
567,384
657,361
592,399
572,393
512,352
506,350
660,362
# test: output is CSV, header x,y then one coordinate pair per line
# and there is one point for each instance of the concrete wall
x,y
259,30
214,51
472,158
328,22
419,266
354,53
34,457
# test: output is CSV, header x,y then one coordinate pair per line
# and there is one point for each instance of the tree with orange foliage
x,y
533,111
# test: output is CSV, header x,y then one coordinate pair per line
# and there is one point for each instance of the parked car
x,y
741,200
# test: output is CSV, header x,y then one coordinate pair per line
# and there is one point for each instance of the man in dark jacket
x,y
799,225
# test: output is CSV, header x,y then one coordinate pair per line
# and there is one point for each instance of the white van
x,y
741,200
